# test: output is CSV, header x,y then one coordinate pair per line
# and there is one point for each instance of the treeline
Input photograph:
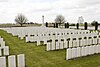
x,y
66,25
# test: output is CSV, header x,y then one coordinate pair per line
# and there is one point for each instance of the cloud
x,y
34,9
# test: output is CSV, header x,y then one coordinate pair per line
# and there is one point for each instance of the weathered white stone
x,y
6,50
92,49
48,46
84,42
94,40
65,44
74,52
12,61
3,44
27,39
81,42
38,42
77,43
0,51
98,40
97,49
83,51
70,43
21,60
1,40
89,50
90,41
2,61
45,41
74,43
87,42
69,54
61,44
78,52
53,45
57,45
86,51
22,37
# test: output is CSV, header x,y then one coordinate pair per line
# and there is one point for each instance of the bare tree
x,y
60,19
80,19
21,19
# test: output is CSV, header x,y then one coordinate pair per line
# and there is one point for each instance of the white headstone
x,y
1,39
78,52
99,40
3,44
87,43
74,52
90,51
97,49
87,50
12,61
45,41
2,61
27,39
57,45
48,46
38,42
81,42
90,41
77,43
61,44
0,51
6,50
65,44
83,51
53,45
70,43
84,42
74,43
93,51
69,54
94,40
21,60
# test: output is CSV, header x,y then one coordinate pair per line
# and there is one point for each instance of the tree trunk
x,y
21,25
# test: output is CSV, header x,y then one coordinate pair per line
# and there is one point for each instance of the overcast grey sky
x,y
34,9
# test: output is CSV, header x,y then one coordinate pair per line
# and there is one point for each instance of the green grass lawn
x,y
37,56
18,25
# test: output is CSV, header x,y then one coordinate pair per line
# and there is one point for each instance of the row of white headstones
x,y
22,32
72,41
58,38
76,45
10,60
72,53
